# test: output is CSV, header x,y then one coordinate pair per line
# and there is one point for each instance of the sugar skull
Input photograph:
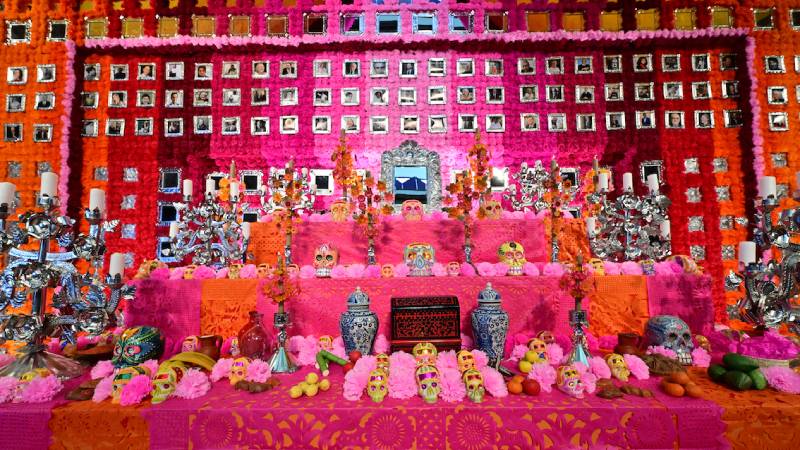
x,y
512,254
377,386
687,263
465,360
453,269
264,270
428,382
123,377
387,271
234,350
136,345
673,333
238,370
425,353
412,210
35,373
292,270
340,210
547,336
491,209
539,347
189,344
703,342
325,257
147,267
419,258
597,267
473,380
382,362
618,367
569,381
326,342
233,271
648,267
166,379
188,272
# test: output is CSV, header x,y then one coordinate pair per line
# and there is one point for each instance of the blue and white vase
x,y
358,324
490,325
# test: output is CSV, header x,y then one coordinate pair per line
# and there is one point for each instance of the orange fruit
x,y
518,378
681,378
514,387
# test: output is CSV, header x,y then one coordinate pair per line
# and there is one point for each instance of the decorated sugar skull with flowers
x,y
568,380
238,370
425,353
189,344
234,270
382,362
453,269
166,380
387,271
547,336
673,333
136,345
539,348
412,210
473,381
234,350
428,383
618,367
340,210
491,209
378,385
598,268
325,258
123,377
419,258
188,272
264,270
512,254
465,360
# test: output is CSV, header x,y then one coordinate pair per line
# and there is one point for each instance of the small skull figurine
x,y
539,347
325,257
465,360
387,271
239,370
382,362
412,210
123,377
188,272
340,210
453,269
473,380
189,344
673,333
35,373
166,379
326,342
703,342
512,254
264,270
569,381
428,382
136,345
292,270
147,267
598,268
234,350
547,336
233,271
419,258
618,367
491,209
377,386
425,354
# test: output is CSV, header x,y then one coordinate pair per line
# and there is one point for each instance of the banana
x,y
196,359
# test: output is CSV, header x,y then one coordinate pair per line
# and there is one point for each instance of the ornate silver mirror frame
x,y
410,154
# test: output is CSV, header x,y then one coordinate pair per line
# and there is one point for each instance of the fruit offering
x,y
738,372
519,384
679,384
310,386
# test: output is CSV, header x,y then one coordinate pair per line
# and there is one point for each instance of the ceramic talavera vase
x,y
490,325
358,324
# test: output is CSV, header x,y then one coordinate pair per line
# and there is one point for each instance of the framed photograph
x,y
231,97
12,132
701,90
44,101
526,66
528,93
174,70
289,96
322,68
119,72
173,127
230,69
350,97
498,181
15,102
613,92
645,119
145,99
46,73
146,71
615,121
730,89
379,96
701,62
797,63
776,95
351,68
585,122
495,123
117,99
288,69
437,124
797,92
42,132
704,119
466,95
259,126
115,127
17,75
671,63
173,98
529,122
674,119
729,61
554,65
379,68
733,118
231,126
465,67
643,63
494,67
673,90
259,96
202,124
260,69
91,72
643,91
322,97
321,124
89,128
89,100
351,124
774,64
778,121
202,98
555,93
167,213
437,67
612,63
495,95
583,64
584,94
409,124
322,181
407,96
467,122
437,95
378,124
203,71
143,126
557,122
408,68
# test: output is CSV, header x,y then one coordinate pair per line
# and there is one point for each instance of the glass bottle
x,y
253,338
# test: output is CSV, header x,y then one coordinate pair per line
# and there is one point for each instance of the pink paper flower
x,y
152,365
668,268
307,272
221,369
467,270
43,389
162,273
355,271
599,367
102,369
356,379
452,385
258,371
611,268
248,272
544,374
135,391
8,388
204,273
589,381
222,273
194,384
373,271
401,270
481,360
783,379
338,272
401,376
446,360
493,382
555,354
466,342
177,273
637,367
553,270
486,269
381,344
700,357
500,269
631,268
530,269
518,352
439,270
103,389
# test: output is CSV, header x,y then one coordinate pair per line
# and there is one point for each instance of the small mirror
x,y
217,177
167,213
57,30
413,173
251,181
647,168
499,180
164,250
322,181
571,175
410,183
169,181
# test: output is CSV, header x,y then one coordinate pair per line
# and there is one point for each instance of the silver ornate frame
x,y
409,153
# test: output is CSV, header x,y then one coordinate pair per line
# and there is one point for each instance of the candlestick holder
x,y
575,282
280,289
286,195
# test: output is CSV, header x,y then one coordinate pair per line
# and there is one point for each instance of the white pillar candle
x,y
116,264
797,181
665,228
187,188
627,181
246,230
747,252
49,184
602,181
591,225
652,183
97,200
173,229
210,186
7,191
234,189
767,187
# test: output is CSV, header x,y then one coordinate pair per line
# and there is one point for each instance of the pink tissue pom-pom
x,y
493,382
668,268
611,268
306,349
439,270
307,272
373,271
446,360
355,271
563,341
467,270
204,273
194,384
452,385
599,367
177,273
338,272
660,350
381,344
401,376
401,270
338,347
637,367
500,269
466,341
481,360
438,215
222,273
518,352
221,369
592,342
135,391
486,269
8,387
102,369
43,389
580,367
258,371
544,374
555,354
631,268
589,381
530,269
356,379
700,357
608,341
783,379
553,270
162,273
249,271
771,345
152,365
103,389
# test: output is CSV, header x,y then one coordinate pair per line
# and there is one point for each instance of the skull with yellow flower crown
x,y
512,254
568,380
382,362
465,360
539,348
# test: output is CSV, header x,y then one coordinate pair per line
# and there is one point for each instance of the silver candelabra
x,y
281,193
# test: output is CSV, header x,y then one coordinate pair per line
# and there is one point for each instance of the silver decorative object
x,y
410,154
281,361
301,198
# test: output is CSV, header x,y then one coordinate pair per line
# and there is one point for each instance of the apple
x,y
354,356
525,366
347,367
531,387
531,356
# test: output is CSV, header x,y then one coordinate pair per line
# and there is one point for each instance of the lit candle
x,y
664,227
234,189
246,230
97,200
116,264
747,252
7,191
49,184
767,187
187,188
602,181
211,187
652,183
173,229
591,225
627,181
